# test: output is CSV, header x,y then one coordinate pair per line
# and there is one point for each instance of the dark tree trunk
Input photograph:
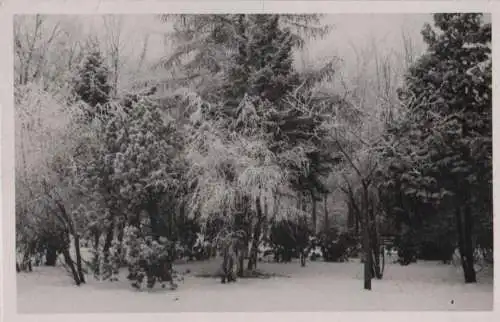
x,y
156,230
50,255
108,240
26,262
304,202
121,235
351,220
465,243
242,244
71,265
76,240
327,219
366,241
470,274
376,271
466,249
314,214
79,267
97,236
376,268
357,221
241,263
252,262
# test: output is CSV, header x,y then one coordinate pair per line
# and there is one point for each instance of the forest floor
x,y
319,286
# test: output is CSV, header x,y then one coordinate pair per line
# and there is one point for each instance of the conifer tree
x,y
252,94
91,83
445,159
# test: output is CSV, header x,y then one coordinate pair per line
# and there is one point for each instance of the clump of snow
x,y
319,286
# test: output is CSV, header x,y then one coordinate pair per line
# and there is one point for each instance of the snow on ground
x,y
317,287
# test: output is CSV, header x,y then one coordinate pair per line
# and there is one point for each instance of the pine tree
x,y
91,83
130,175
262,67
447,162
251,97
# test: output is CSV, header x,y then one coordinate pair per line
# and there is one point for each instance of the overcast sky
x,y
349,30
351,34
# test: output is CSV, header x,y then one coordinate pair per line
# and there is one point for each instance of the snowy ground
x,y
318,287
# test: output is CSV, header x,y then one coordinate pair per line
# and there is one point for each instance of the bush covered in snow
x,y
149,259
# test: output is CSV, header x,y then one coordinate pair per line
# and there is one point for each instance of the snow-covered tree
x,y
131,173
91,83
443,163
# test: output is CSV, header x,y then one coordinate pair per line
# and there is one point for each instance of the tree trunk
x,y
121,235
241,262
366,241
97,237
314,214
108,240
376,268
69,262
470,274
76,241
357,221
50,255
78,258
327,219
242,245
367,260
252,262
465,244
377,271
26,262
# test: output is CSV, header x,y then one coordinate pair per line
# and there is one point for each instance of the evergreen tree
x,y
262,66
129,177
445,158
254,96
91,83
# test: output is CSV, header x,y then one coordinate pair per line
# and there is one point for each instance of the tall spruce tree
x,y
262,69
91,83
263,65
254,92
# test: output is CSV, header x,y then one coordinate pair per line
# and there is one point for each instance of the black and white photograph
x,y
244,162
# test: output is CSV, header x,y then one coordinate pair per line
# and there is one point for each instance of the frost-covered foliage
x,y
129,173
238,139
442,160
205,46
149,260
228,166
44,150
91,84
241,149
47,48
47,192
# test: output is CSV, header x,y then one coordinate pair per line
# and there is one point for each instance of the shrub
x,y
335,246
287,239
149,259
